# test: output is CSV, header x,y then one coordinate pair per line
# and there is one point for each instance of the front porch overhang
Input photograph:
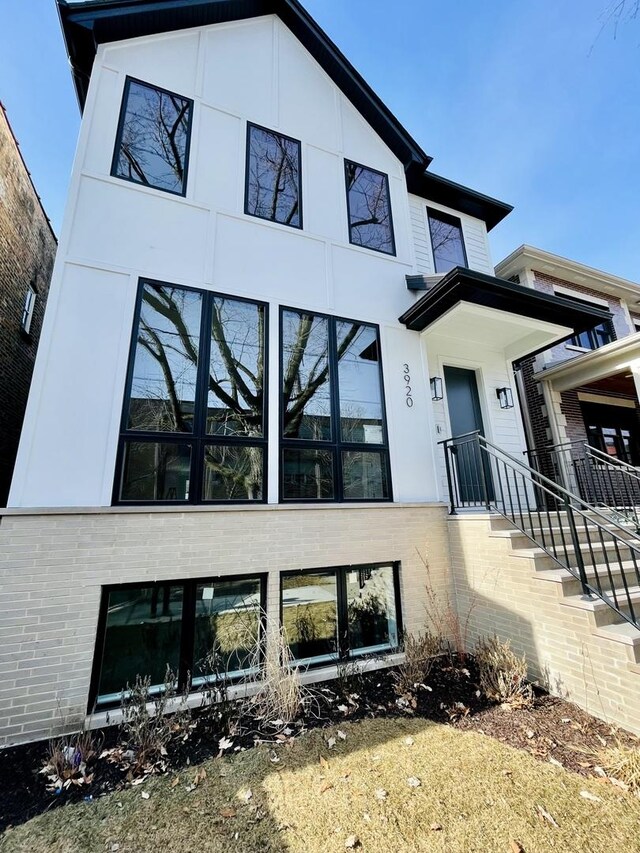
x,y
518,320
609,360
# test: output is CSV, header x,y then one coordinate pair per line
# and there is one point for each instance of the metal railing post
x,y
576,547
452,500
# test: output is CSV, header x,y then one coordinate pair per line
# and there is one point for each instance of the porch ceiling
x,y
476,307
610,360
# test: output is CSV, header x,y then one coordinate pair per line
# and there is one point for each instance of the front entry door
x,y
465,416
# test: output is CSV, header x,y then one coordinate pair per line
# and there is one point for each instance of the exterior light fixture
x,y
505,395
436,388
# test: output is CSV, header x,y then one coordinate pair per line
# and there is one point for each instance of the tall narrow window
x,y
152,147
201,630
369,208
273,180
334,441
447,241
27,311
340,613
194,426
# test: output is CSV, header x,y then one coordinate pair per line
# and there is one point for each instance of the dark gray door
x,y
465,415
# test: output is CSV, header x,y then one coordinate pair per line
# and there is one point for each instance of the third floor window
x,y
447,241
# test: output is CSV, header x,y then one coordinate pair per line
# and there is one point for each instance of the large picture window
x,y
201,630
369,208
273,179
152,147
194,421
334,437
447,241
340,613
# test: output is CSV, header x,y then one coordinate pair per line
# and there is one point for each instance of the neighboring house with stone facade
x,y
267,314
585,392
27,252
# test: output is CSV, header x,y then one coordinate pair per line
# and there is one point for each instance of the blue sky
x,y
526,100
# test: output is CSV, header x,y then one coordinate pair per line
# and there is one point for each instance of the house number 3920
x,y
407,382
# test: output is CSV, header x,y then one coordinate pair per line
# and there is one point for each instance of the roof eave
x,y
458,197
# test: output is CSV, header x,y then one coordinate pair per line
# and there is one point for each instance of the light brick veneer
x,y
53,564
505,595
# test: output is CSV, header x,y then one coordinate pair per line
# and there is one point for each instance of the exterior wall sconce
x,y
436,388
505,395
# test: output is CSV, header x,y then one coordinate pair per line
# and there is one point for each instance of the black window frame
x,y
394,252
592,334
198,438
253,126
336,445
448,219
344,652
185,672
121,121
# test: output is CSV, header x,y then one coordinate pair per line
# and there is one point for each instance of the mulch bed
x,y
549,729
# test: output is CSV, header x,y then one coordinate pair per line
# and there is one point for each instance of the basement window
x,y
341,613
447,241
201,630
273,179
369,208
194,419
152,145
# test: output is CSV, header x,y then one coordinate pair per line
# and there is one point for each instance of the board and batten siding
x,y
474,232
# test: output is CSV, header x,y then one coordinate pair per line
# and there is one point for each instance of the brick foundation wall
x,y
499,593
52,568
27,251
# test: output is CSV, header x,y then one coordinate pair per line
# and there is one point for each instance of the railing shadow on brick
x,y
599,551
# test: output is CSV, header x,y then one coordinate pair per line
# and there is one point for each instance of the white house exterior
x,y
142,508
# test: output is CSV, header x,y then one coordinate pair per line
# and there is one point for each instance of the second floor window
x,y
194,420
369,209
592,338
334,436
152,147
447,241
273,180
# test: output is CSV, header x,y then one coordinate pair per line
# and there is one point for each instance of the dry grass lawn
x,y
467,793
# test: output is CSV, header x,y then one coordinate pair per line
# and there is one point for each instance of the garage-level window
x,y
152,146
369,208
194,420
273,180
342,612
334,436
202,630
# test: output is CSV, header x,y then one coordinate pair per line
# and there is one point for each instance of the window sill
x,y
574,348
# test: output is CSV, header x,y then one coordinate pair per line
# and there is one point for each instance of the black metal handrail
x,y
596,549
596,476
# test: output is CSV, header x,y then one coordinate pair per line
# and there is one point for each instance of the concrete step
x,y
558,535
571,584
603,614
623,632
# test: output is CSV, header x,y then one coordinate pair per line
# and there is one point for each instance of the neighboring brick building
x,y
27,250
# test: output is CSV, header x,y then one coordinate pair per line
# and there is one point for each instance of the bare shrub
x,y
279,694
68,760
622,763
349,677
503,675
445,618
146,726
420,651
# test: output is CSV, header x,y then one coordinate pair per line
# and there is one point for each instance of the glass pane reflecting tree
x,y
233,472
371,609
165,370
306,381
359,381
273,188
369,208
446,241
152,146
